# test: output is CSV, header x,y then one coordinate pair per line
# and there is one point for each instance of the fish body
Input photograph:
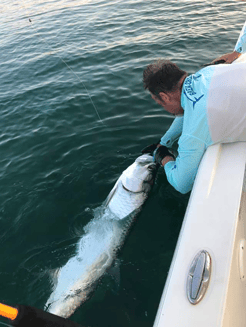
x,y
105,233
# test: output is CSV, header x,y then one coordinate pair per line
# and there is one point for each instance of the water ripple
x,y
57,157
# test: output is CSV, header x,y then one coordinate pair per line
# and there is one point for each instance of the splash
x,y
95,253
103,237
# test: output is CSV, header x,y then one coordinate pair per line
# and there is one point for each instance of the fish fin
x,y
54,275
111,194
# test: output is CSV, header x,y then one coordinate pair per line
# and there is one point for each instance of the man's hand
x,y
166,160
161,154
228,57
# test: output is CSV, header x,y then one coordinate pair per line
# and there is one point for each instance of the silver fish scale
x,y
123,203
103,236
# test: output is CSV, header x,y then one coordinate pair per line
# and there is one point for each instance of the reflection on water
x,y
57,158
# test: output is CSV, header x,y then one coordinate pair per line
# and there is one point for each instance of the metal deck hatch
x,y
199,277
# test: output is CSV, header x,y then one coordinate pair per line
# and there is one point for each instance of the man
x,y
210,107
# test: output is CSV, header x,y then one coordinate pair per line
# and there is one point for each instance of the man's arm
x,y
181,173
240,47
173,133
228,57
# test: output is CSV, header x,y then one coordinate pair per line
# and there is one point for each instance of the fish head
x,y
139,177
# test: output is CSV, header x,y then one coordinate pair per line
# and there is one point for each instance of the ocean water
x,y
73,116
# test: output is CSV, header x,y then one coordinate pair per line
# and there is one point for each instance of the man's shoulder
x,y
195,87
200,77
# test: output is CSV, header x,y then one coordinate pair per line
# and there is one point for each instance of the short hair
x,y
162,76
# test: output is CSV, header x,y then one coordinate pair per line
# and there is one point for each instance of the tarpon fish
x,y
104,235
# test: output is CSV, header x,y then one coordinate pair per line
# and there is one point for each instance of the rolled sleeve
x,y
182,172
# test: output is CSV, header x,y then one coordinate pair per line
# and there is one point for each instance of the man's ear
x,y
164,97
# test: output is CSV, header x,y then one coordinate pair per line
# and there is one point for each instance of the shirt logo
x,y
189,91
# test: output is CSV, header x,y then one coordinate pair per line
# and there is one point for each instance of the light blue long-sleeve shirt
x,y
241,42
214,103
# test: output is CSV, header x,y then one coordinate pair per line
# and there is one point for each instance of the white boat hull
x,y
215,221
